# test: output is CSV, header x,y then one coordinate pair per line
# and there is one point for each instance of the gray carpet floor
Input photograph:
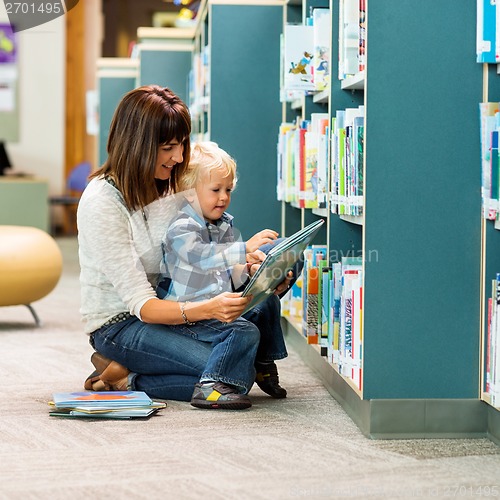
x,y
302,447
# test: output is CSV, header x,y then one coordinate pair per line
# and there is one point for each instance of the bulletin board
x,y
9,89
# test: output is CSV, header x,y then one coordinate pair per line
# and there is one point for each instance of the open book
x,y
278,262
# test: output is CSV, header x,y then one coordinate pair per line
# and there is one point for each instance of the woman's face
x,y
168,156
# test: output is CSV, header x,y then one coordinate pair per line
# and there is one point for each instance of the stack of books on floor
x,y
105,404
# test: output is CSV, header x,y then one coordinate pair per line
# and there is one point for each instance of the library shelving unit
x,y
234,99
421,237
115,77
491,243
161,56
164,56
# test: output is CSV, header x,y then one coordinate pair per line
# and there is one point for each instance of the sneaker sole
x,y
224,405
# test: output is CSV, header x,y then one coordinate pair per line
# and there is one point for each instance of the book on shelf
x,y
308,195
348,38
311,310
282,161
298,47
357,328
313,255
489,122
316,152
492,355
494,169
323,170
362,36
278,262
347,162
324,300
487,32
334,324
300,163
104,404
322,32
349,339
295,299
337,164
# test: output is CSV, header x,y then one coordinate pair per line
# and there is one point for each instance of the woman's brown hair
x,y
145,119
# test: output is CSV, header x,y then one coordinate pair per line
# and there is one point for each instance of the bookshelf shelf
x,y
321,212
353,219
322,97
355,82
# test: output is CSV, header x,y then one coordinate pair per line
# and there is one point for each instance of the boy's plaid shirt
x,y
198,256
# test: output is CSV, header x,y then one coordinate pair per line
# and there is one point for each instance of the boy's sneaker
x,y
267,379
219,396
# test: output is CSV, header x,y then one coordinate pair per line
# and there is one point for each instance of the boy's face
x,y
214,194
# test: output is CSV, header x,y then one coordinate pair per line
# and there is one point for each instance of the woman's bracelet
x,y
183,305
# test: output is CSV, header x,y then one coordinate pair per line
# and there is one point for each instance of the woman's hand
x,y
261,238
228,306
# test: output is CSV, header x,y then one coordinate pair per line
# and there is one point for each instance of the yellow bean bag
x,y
30,265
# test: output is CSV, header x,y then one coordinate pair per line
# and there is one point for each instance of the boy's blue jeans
x,y
168,360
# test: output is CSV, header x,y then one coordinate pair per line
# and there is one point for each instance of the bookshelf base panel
x,y
401,418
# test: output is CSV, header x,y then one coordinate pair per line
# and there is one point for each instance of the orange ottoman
x,y
30,266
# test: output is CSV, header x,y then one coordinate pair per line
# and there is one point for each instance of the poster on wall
x,y
8,68
7,44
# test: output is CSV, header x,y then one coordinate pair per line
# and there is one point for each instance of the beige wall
x,y
41,56
42,53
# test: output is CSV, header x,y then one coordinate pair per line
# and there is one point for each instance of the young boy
x,y
203,257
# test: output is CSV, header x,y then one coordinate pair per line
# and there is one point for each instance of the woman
x,y
121,221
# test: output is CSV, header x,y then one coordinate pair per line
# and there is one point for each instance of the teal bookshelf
x,y
115,77
242,111
421,235
164,56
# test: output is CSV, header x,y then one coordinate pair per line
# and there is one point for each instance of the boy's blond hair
x,y
205,157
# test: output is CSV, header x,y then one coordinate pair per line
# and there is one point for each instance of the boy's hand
x,y
256,257
261,238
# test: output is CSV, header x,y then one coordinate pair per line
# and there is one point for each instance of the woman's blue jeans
x,y
167,361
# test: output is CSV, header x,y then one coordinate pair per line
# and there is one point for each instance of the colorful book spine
x,y
323,174
309,195
282,161
494,354
494,167
357,330
489,112
311,316
351,269
362,35
336,306
326,278
486,43
300,165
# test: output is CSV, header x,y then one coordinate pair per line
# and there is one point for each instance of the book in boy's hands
x,y
105,404
278,262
